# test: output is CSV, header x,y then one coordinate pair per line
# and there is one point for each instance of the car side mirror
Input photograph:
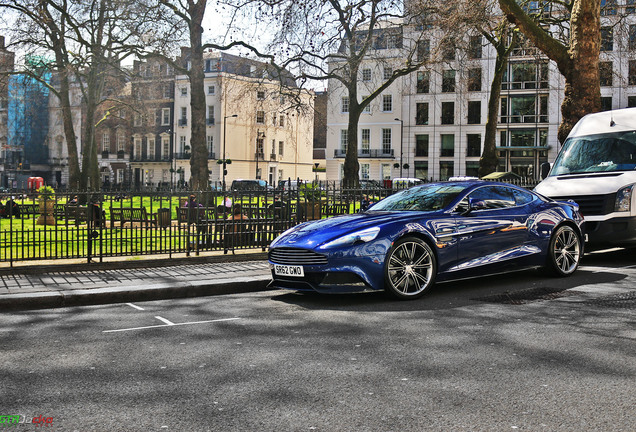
x,y
545,169
474,204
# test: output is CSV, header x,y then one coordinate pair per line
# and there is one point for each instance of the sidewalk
x,y
73,283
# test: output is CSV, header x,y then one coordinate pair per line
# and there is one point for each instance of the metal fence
x,y
95,225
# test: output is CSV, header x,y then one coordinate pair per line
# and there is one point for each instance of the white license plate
x,y
288,270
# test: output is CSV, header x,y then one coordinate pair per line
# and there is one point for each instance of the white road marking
x,y
170,325
164,320
135,306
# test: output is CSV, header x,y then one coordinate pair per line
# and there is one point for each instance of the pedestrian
x,y
365,203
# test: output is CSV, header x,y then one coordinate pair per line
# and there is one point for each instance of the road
x,y
457,359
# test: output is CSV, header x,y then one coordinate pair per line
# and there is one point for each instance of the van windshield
x,y
597,153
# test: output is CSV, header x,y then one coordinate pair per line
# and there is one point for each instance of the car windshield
x,y
421,198
597,153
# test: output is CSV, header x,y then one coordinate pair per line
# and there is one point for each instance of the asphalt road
x,y
558,355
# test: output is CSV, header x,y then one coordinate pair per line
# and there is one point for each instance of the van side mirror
x,y
545,169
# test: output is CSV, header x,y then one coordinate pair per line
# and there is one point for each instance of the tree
x,y
577,58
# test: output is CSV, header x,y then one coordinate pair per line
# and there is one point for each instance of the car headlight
x,y
624,199
366,235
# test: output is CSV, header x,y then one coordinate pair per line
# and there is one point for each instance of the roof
x,y
621,120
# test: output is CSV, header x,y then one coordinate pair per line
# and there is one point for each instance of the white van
x,y
596,168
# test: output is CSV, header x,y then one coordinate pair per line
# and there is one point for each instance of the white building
x,y
431,123
263,127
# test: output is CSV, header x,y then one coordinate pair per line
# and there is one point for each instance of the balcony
x,y
185,155
370,153
272,156
210,121
183,122
105,154
523,119
259,155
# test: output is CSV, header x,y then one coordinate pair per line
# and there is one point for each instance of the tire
x,y
409,269
564,254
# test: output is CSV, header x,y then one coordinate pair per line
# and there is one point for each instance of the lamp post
x,y
224,161
401,142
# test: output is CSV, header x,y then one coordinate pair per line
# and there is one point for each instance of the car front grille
x,y
592,205
293,256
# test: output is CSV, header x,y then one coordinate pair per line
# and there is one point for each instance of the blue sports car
x,y
438,231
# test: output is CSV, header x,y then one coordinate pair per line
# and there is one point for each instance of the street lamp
x,y
225,161
401,142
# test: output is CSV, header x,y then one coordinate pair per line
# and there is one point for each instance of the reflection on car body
x,y
438,231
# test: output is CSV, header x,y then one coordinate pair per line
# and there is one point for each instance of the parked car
x,y
286,185
406,182
250,185
438,231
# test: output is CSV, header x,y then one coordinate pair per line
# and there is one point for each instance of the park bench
x,y
29,210
132,215
74,212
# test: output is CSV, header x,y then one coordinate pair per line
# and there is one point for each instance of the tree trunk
x,y
489,160
69,130
199,156
351,177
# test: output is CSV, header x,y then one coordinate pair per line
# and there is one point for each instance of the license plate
x,y
288,270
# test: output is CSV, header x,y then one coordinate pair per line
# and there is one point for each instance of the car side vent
x,y
294,256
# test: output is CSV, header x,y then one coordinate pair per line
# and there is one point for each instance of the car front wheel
x,y
565,251
410,268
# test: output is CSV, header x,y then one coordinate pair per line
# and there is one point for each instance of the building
x,y
259,121
431,123
8,156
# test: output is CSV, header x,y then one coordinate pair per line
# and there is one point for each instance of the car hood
x,y
315,233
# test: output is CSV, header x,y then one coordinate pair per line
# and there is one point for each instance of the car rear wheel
x,y
565,251
410,268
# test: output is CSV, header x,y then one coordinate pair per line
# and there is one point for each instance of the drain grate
x,y
527,296
624,301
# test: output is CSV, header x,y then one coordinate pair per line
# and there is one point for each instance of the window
x,y
151,147
105,142
165,116
421,146
366,74
137,148
260,95
210,114
474,47
121,142
526,75
120,175
632,73
494,198
448,81
632,37
281,121
182,143
387,103
606,103
386,141
211,90
208,65
281,147
183,121
210,143
367,108
448,112
260,147
448,50
137,119
387,72
605,72
421,169
446,170
365,136
630,9
344,104
184,91
474,112
165,147
274,119
344,140
448,145
473,145
423,81
474,79
631,101
608,7
472,168
260,117
421,113
607,39
364,171
423,49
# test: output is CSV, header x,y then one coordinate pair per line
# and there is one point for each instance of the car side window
x,y
522,197
493,197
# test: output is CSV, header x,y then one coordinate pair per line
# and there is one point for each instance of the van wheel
x,y
565,251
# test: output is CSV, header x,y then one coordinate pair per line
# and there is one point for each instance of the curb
x,y
96,296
